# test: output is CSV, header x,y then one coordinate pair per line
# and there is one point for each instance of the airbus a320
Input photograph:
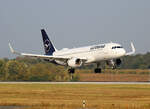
x,y
111,53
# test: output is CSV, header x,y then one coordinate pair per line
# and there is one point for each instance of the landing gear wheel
x,y
71,71
97,70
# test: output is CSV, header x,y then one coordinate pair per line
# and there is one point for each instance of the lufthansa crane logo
x,y
47,45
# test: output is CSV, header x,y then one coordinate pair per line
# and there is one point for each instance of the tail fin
x,y
48,46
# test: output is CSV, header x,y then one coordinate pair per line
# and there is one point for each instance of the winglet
x,y
133,50
12,50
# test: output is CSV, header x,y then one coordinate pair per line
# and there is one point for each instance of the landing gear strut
x,y
98,69
71,71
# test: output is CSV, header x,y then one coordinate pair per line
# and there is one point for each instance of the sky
x,y
73,23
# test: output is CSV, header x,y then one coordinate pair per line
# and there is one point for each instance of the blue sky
x,y
73,23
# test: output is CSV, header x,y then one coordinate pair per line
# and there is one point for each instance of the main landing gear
x,y
71,71
98,69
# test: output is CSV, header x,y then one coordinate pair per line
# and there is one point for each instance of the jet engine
x,y
118,62
114,63
74,62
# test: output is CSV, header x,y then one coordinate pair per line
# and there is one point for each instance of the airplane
x,y
77,57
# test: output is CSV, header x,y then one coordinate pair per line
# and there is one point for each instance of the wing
x,y
50,57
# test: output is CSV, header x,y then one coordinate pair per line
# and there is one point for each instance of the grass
x,y
121,75
114,77
67,96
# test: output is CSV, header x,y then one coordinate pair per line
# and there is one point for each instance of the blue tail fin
x,y
48,46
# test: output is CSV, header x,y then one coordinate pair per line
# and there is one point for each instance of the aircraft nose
x,y
123,52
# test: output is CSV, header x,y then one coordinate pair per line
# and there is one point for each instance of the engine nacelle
x,y
118,62
75,62
114,63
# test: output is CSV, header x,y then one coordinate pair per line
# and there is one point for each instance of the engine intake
x,y
118,62
75,62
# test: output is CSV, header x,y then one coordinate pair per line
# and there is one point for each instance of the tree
x,y
2,67
15,71
47,72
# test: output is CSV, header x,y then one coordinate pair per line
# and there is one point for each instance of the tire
x,y
71,71
97,70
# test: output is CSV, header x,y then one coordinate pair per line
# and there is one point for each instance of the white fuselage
x,y
95,53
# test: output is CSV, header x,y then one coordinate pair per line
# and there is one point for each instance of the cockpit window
x,y
114,47
119,47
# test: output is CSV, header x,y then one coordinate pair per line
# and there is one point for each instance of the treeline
x,y
28,69
139,61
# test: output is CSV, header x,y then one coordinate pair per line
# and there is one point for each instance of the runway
x,y
75,83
